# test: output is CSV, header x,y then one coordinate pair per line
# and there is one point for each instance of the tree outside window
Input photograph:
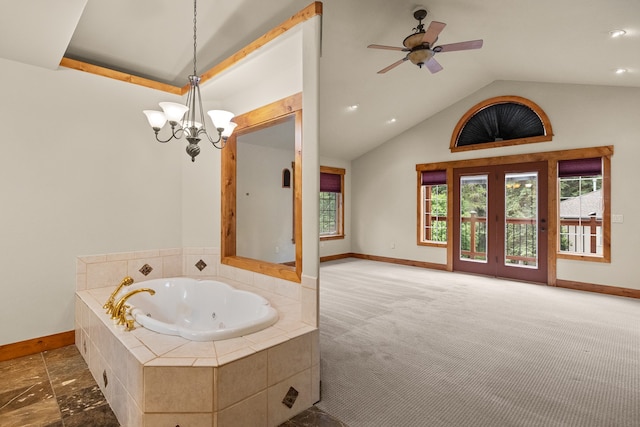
x,y
331,203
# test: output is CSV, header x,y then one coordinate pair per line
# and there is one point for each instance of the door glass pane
x,y
521,225
473,218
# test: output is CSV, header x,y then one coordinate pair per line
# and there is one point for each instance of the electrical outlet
x,y
617,218
277,249
393,245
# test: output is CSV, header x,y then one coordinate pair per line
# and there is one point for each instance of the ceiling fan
x,y
419,45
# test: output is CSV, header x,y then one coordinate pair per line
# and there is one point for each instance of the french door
x,y
500,221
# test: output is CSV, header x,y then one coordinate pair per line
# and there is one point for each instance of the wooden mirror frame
x,y
259,118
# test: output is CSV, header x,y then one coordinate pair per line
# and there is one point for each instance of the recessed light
x,y
617,33
392,120
353,107
620,70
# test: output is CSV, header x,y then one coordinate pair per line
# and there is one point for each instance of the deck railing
x,y
578,235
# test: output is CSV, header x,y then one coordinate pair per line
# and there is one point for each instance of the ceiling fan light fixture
x,y
414,40
420,56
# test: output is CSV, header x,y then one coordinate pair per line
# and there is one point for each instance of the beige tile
x,y
288,289
151,253
263,345
250,412
160,344
173,420
120,256
309,309
170,252
226,272
233,356
309,282
277,411
105,274
264,335
315,347
81,281
90,259
315,384
142,354
171,361
81,266
229,346
289,358
305,329
134,380
238,380
193,349
172,265
244,276
178,389
206,361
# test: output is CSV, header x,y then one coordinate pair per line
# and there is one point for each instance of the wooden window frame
x,y
552,158
340,232
421,215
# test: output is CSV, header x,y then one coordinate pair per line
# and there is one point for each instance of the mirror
x,y
261,223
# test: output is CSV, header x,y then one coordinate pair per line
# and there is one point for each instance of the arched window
x,y
499,122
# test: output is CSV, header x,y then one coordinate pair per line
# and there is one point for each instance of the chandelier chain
x,y
195,40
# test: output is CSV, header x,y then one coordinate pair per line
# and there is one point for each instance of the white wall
x,y
264,221
384,189
339,246
80,173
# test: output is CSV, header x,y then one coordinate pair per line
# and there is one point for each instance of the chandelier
x,y
188,120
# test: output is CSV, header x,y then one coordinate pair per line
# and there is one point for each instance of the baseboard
x,y
335,257
400,261
601,289
36,345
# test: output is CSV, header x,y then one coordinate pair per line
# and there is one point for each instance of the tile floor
x,y
55,389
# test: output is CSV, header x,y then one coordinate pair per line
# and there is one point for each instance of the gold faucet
x,y
120,309
109,305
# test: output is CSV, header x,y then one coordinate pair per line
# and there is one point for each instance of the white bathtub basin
x,y
199,310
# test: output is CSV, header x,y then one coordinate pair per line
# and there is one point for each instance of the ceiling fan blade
x,y
381,46
471,44
433,32
394,65
433,65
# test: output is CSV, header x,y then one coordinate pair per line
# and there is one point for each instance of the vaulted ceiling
x,y
565,41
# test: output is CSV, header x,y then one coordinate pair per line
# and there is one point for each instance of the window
x,y
499,122
331,203
434,207
581,207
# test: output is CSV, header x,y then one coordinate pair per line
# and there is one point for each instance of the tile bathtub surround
x,y
147,376
286,353
79,402
97,271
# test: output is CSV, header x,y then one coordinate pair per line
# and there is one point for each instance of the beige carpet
x,y
404,346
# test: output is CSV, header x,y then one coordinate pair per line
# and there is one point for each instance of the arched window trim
x,y
548,131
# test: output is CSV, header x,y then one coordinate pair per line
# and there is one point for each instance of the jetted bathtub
x,y
199,310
